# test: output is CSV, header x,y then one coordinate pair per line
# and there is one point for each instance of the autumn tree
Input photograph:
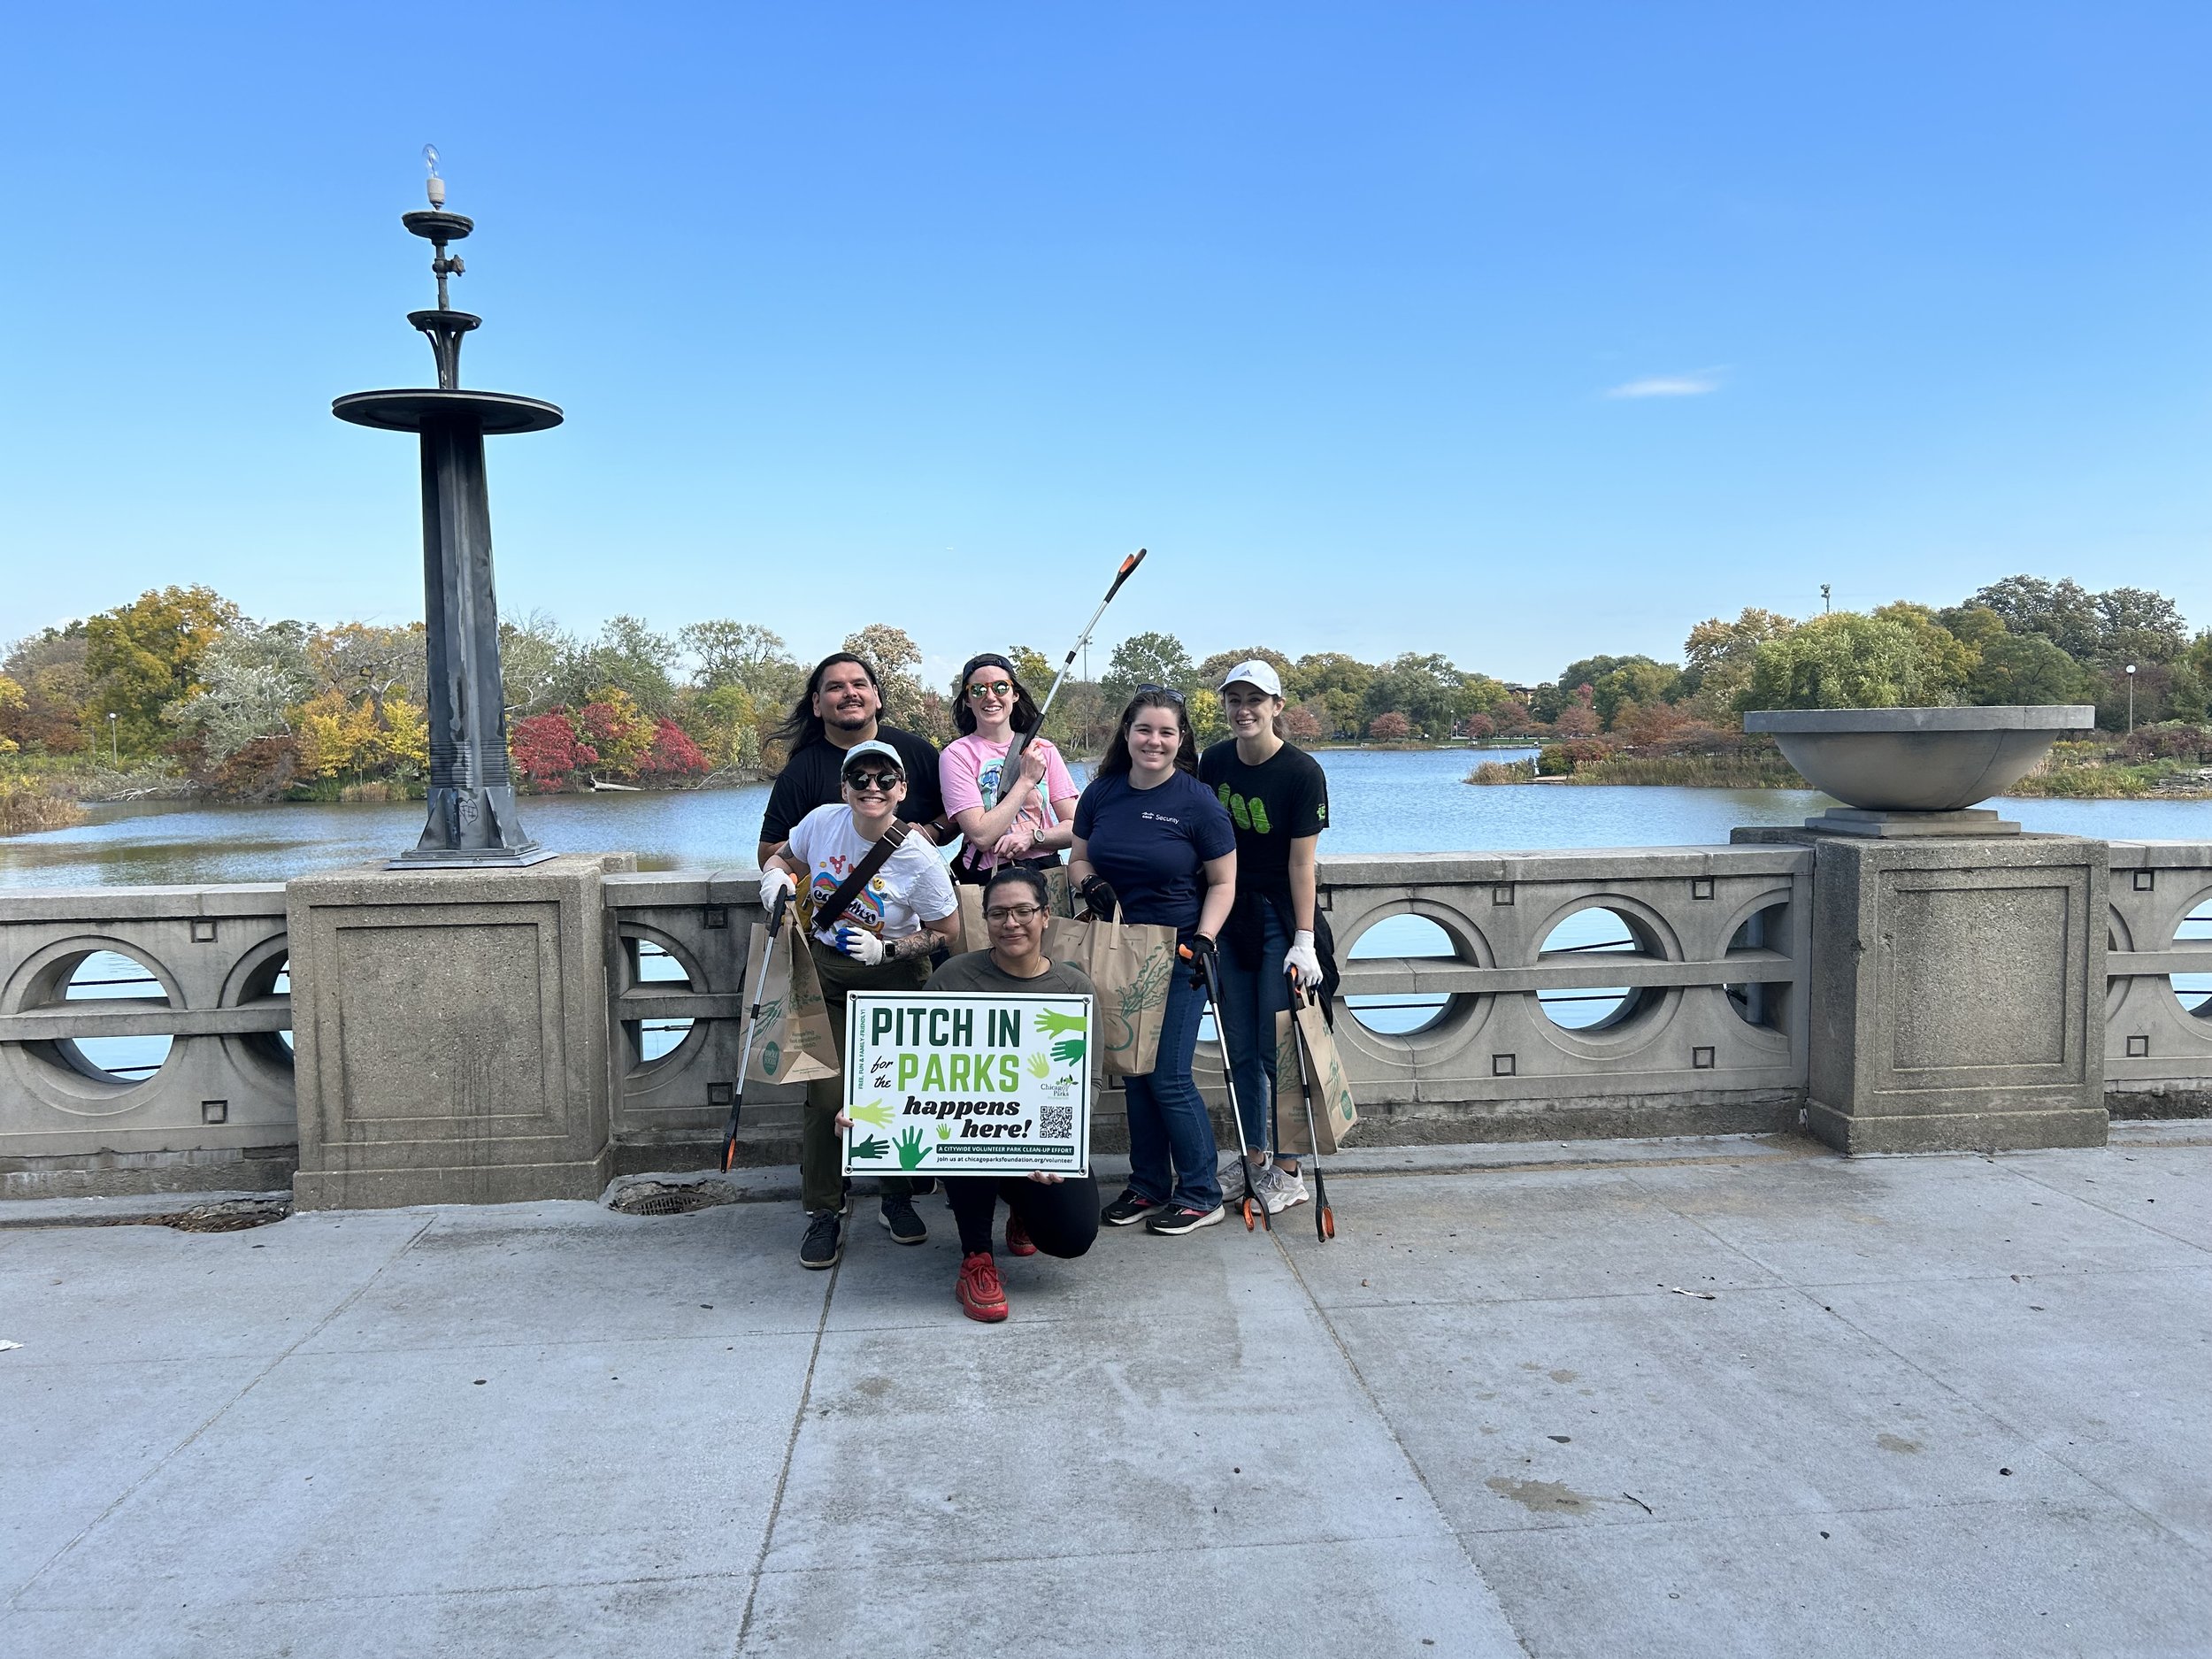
x,y
144,656
1390,726
891,653
1717,658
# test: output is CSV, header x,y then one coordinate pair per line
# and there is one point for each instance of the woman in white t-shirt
x,y
993,706
882,941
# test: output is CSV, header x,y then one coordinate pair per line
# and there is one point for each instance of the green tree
x,y
251,680
1210,670
2064,611
1716,658
2135,625
1148,659
1336,681
1946,661
144,656
630,657
746,654
1423,687
2027,668
1840,661
1637,679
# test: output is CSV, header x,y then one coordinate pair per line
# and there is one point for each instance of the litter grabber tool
x,y
752,1021
1010,767
1251,1205
1324,1217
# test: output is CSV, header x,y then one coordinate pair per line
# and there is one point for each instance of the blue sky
x,y
928,314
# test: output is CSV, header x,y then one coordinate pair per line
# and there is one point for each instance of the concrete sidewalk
x,y
1937,1405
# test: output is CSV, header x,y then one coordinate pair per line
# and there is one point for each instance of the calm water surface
x,y
1380,802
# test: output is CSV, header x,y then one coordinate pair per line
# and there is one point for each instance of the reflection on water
x,y
1380,802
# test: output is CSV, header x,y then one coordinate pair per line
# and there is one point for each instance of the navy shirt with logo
x,y
1152,844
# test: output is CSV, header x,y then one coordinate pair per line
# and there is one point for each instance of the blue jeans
x,y
1170,1138
1251,998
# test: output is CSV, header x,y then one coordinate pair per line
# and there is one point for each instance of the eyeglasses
x,y
865,780
989,689
998,916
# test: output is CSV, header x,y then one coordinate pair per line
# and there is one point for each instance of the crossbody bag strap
x,y
832,909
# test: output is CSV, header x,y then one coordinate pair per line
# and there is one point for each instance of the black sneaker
x,y
898,1216
822,1247
1131,1206
1172,1222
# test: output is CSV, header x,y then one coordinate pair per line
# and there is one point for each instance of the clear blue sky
x,y
928,314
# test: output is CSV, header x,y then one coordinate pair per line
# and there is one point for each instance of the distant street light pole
x,y
2131,699
115,764
1824,599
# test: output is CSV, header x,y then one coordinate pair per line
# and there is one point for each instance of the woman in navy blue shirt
x,y
1149,835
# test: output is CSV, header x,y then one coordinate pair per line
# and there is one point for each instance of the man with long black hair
x,y
838,709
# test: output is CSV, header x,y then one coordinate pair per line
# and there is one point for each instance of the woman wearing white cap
x,y
880,941
1278,797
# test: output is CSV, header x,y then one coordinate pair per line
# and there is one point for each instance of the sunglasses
x,y
1166,692
1013,913
989,689
862,778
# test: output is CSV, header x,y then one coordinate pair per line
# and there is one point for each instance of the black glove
x,y
1205,961
1099,898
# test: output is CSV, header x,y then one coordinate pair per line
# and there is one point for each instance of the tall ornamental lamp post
x,y
2131,699
473,821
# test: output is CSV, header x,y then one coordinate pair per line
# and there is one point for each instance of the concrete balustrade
x,y
484,1036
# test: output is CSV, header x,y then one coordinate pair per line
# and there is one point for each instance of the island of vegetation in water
x,y
179,693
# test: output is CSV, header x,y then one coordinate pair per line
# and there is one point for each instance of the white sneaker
x,y
1280,1190
1231,1180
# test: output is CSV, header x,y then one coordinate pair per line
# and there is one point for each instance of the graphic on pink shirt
x,y
968,777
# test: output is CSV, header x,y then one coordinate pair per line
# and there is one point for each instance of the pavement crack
x,y
1389,1428
783,1473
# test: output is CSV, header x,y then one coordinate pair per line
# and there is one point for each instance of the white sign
x,y
956,1083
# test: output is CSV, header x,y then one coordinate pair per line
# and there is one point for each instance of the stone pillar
x,y
1957,990
451,1032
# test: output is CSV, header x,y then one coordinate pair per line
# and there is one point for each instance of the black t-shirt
x,y
814,777
1285,796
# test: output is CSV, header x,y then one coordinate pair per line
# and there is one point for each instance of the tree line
x,y
181,678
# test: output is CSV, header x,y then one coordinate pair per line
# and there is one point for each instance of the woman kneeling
x,y
1057,1214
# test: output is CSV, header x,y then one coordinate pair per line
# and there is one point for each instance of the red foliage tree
x,y
1301,724
547,749
674,754
1478,726
1390,727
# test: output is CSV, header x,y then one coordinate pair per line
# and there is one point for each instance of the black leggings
x,y
1061,1219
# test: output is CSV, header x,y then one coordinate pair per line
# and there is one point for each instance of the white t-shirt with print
x,y
911,887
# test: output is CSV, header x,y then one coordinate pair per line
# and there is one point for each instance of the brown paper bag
x,y
1130,964
973,935
1334,1113
792,1042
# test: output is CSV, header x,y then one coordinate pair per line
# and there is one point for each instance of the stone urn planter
x,y
1917,771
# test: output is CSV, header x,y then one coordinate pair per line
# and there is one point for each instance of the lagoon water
x,y
1380,802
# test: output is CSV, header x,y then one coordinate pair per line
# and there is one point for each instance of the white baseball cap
x,y
873,747
1257,673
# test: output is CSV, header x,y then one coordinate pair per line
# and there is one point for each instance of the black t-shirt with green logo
x,y
1285,796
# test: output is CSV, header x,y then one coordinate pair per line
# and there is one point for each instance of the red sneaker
x,y
981,1295
1018,1241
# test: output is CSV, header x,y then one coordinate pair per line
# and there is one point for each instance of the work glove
x,y
775,881
1099,898
1302,962
1205,961
857,942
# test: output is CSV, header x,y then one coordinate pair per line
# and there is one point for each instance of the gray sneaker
x,y
1280,1190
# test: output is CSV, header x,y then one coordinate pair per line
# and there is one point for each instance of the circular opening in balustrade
x,y
95,977
2193,991
1596,932
268,979
653,963
1400,1013
1758,1002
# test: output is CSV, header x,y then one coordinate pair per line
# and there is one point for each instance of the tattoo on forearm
x,y
913,945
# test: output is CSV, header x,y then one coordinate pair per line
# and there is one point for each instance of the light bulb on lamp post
x,y
2131,699
435,186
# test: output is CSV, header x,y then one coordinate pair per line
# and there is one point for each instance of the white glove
x,y
775,881
1302,962
861,945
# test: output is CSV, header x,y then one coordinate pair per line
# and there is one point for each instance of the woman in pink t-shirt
x,y
991,707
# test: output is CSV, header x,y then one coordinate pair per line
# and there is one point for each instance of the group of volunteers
x,y
1219,846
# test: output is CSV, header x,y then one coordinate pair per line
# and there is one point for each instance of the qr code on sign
x,y
1056,1123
